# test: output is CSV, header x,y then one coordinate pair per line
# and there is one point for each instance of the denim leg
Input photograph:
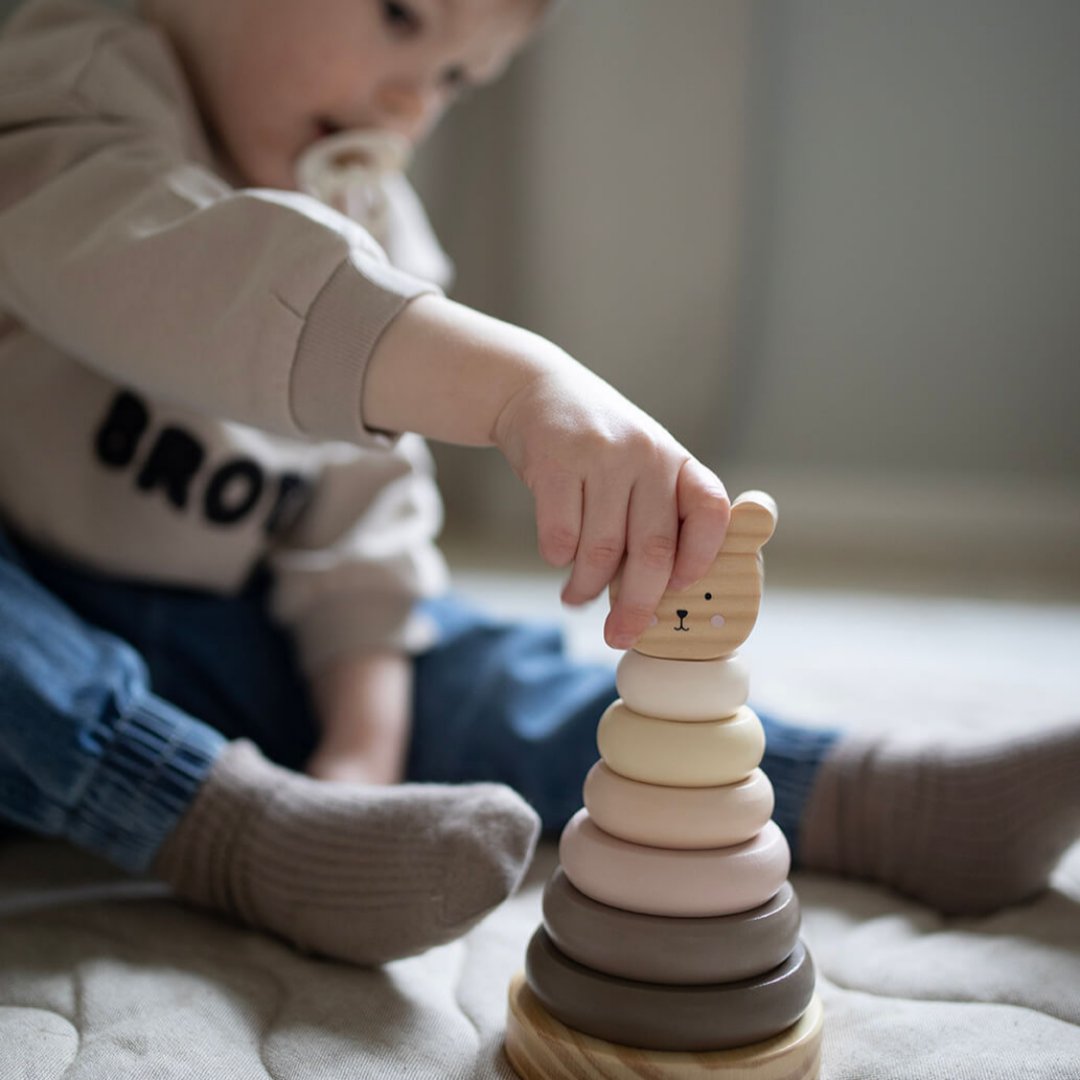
x,y
220,658
502,701
87,751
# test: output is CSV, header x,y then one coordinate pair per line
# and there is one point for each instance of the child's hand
x,y
608,480
611,484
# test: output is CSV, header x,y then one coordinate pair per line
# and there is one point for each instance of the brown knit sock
x,y
361,874
965,829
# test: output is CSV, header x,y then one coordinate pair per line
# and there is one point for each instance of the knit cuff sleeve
x,y
342,328
153,767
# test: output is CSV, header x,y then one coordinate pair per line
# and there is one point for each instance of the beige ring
x,y
678,817
682,884
682,689
676,753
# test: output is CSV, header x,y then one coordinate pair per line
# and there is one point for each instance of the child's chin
x,y
261,165
267,172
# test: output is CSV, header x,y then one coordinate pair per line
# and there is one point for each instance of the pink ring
x,y
660,881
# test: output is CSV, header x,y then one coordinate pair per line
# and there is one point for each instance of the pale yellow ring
x,y
677,753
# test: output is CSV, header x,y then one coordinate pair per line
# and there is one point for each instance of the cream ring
x,y
675,753
658,881
682,689
678,817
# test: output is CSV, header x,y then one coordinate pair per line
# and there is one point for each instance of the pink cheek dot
x,y
653,621
717,621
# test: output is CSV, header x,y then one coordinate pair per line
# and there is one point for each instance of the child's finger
x,y
603,539
558,500
704,511
652,541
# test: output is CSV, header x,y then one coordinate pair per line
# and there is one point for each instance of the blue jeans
x,y
116,698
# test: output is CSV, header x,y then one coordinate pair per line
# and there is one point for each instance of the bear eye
x,y
708,596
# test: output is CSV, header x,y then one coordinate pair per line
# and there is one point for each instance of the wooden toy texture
x,y
541,1048
708,621
714,617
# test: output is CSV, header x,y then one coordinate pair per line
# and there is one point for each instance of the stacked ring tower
x,y
670,938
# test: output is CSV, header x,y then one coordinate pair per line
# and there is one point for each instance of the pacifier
x,y
347,171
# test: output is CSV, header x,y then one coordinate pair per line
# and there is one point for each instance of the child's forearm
x,y
446,371
364,708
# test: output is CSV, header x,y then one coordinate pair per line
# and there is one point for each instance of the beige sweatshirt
x,y
181,361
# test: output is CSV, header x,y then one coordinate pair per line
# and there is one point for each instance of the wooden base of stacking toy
x,y
541,1048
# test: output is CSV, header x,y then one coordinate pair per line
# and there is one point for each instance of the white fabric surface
x,y
101,977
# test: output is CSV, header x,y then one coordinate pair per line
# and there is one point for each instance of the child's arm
x,y
608,481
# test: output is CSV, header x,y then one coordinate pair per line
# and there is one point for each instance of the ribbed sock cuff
x,y
155,763
793,756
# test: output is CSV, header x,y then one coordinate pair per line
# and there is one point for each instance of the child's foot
x,y
965,829
361,874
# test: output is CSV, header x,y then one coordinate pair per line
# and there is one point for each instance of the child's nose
x,y
404,107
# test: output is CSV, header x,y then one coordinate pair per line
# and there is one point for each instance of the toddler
x,y
224,630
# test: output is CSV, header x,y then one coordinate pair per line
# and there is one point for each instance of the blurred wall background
x,y
835,246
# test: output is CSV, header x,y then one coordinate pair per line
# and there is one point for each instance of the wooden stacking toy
x,y
670,941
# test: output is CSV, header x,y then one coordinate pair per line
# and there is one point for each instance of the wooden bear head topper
x,y
714,617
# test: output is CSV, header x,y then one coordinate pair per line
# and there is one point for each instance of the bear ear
x,y
753,519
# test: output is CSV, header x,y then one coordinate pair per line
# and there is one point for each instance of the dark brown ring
x,y
656,1017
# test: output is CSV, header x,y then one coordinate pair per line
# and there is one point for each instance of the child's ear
x,y
753,519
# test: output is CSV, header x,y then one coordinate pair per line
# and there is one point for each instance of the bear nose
x,y
682,613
